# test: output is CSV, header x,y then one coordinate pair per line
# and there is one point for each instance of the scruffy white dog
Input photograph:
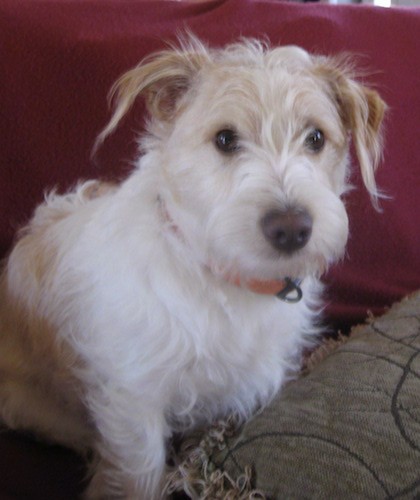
x,y
189,290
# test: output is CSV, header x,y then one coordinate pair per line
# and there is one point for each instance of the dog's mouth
x,y
279,277
273,273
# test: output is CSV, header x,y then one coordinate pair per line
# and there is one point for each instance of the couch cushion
x,y
350,428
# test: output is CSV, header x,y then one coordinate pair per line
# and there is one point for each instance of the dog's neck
x,y
286,289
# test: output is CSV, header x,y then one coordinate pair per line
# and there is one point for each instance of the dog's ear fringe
x,y
367,129
362,111
162,77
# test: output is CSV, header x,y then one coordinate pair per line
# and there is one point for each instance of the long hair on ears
x,y
362,111
162,78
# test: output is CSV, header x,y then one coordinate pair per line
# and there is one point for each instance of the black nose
x,y
287,230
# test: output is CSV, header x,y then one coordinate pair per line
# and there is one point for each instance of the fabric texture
x,y
350,428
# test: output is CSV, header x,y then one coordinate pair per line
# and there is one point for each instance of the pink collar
x,y
287,289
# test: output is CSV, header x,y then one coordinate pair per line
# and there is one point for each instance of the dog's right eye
x,y
226,140
315,140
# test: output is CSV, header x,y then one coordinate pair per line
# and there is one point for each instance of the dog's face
x,y
253,150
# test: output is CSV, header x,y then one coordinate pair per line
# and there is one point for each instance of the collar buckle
x,y
291,293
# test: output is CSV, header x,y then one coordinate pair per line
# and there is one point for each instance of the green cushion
x,y
348,428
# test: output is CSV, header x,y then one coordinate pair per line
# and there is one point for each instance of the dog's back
x,y
38,390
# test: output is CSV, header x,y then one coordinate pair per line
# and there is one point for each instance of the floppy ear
x,y
162,78
362,111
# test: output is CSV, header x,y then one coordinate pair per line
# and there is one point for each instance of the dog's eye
x,y
226,140
315,140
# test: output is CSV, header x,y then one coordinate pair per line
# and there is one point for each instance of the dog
x,y
189,291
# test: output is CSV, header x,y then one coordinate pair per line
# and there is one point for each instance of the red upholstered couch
x,y
58,59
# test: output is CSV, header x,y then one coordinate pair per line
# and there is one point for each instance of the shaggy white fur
x,y
129,312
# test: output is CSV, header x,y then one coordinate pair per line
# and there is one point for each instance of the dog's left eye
x,y
226,140
315,140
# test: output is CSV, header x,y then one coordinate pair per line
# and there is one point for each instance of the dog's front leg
x,y
131,449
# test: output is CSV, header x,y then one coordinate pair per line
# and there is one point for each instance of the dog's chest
x,y
234,353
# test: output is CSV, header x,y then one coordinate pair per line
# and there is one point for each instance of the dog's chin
x,y
300,265
311,261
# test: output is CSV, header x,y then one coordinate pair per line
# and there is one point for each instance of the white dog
x,y
189,291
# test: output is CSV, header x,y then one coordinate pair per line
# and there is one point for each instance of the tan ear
x,y
362,111
161,78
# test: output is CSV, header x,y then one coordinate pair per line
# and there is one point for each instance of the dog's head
x,y
252,144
